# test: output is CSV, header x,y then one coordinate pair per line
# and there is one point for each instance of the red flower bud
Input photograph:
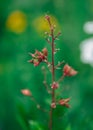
x,y
47,17
69,71
45,52
53,105
26,92
36,62
64,102
30,61
55,85
33,55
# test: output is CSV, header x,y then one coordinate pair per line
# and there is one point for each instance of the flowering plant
x,y
42,56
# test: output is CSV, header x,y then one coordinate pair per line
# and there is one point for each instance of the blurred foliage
x,y
22,31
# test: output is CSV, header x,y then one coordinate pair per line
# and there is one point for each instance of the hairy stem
x,y
53,79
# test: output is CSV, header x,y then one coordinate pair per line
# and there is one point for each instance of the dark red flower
x,y
39,57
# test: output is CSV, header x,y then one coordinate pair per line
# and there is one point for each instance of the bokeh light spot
x,y
86,48
41,25
16,22
88,27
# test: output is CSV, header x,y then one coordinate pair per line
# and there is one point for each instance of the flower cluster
x,y
39,57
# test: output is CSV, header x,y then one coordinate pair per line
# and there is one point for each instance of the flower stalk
x,y
53,77
41,56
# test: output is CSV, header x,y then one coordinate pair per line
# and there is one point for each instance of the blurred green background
x,y
22,28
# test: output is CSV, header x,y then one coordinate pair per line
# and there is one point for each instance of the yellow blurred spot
x,y
16,22
41,24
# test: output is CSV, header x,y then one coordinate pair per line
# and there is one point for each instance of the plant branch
x,y
48,41
61,78
59,64
45,80
37,105
59,33
46,86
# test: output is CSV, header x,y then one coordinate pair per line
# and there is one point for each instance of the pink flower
x,y
53,105
47,17
45,52
26,92
55,85
36,62
69,71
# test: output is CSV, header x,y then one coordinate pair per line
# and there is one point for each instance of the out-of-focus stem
x,y
38,105
61,78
